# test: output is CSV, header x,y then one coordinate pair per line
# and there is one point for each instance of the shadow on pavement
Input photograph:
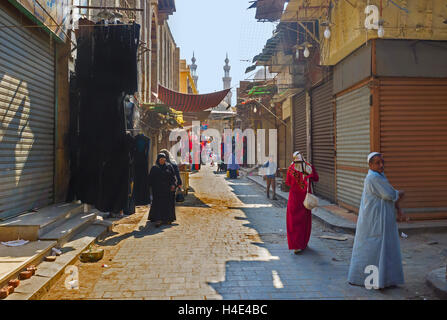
x,y
143,231
192,201
278,273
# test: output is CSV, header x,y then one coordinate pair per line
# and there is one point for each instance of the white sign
x,y
372,17
372,280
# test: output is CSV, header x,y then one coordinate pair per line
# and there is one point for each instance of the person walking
x,y
162,181
178,179
376,241
300,174
233,167
269,170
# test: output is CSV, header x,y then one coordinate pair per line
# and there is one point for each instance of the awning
x,y
190,102
271,46
281,96
269,10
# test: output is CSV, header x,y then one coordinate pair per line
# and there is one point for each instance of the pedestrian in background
x,y
376,241
233,167
269,170
300,174
178,179
162,181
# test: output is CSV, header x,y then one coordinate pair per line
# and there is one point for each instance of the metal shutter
x,y
413,126
353,145
27,119
323,153
299,124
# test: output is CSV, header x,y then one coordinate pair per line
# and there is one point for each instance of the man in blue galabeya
x,y
376,241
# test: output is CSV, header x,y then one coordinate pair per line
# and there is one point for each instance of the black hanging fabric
x,y
73,138
141,182
105,72
130,203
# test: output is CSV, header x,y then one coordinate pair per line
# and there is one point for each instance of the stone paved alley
x,y
229,242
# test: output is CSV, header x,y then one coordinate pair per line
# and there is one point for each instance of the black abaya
x,y
161,179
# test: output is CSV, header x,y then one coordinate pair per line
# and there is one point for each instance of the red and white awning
x,y
190,102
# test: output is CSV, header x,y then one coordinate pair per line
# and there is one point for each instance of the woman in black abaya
x,y
162,181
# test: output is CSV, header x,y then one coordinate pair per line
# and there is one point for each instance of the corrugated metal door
x,y
353,145
323,152
413,125
299,124
26,119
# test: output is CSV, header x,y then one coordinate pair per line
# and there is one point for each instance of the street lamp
x,y
306,52
327,32
380,32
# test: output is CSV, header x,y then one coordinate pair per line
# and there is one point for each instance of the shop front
x,y
27,112
322,124
352,145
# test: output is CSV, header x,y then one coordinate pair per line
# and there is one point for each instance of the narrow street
x,y
110,108
229,242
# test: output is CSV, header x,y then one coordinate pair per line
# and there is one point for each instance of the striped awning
x,y
190,102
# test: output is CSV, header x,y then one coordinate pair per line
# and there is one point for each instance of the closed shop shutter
x,y
27,119
299,124
353,145
323,153
413,124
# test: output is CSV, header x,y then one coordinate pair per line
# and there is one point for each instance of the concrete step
x,y
49,272
13,260
32,225
63,232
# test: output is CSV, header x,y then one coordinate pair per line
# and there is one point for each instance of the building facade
x,y
355,90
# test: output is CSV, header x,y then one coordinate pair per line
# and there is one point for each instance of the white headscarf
x,y
169,156
307,168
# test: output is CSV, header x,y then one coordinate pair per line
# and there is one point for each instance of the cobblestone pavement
x,y
229,242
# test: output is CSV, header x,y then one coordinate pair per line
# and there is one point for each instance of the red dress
x,y
299,219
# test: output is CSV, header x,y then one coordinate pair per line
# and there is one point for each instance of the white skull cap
x,y
296,153
372,154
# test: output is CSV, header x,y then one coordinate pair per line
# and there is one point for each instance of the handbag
x,y
179,196
310,201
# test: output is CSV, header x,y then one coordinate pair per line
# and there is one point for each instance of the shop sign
x,y
55,15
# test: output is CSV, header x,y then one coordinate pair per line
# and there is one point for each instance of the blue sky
x,y
211,28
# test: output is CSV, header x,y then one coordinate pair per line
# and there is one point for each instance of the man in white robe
x,y
376,241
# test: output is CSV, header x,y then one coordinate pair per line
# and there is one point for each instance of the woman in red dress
x,y
299,219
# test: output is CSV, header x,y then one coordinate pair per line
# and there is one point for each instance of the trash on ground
x,y
432,242
105,266
50,258
56,251
15,243
343,238
74,284
403,235
91,255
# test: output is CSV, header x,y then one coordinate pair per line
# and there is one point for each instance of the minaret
x,y
193,68
227,80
